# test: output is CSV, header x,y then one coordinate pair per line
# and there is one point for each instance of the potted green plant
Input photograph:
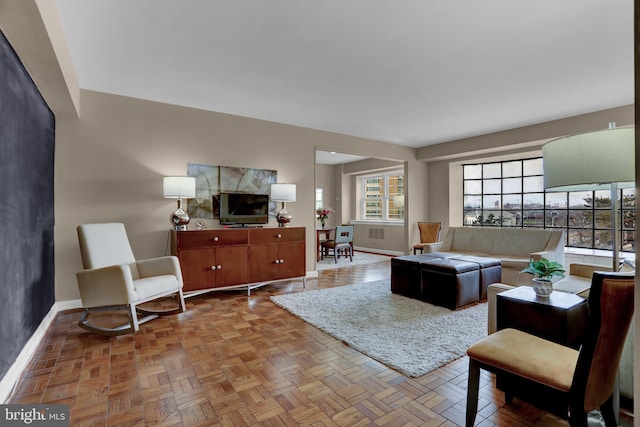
x,y
543,272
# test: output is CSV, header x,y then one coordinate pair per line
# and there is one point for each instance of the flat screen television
x,y
244,209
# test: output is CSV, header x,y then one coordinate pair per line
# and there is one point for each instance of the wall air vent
x,y
376,233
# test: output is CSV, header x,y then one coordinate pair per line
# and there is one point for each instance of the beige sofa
x,y
515,247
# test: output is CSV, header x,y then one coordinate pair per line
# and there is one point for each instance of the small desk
x,y
322,234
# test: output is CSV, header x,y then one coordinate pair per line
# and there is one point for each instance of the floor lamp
x,y
593,161
599,160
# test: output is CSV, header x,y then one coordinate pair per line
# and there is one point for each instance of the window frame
x,y
386,199
594,211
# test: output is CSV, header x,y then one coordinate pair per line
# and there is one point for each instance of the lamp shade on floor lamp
x,y
600,160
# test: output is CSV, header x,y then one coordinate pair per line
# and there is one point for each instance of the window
x,y
319,198
511,194
383,196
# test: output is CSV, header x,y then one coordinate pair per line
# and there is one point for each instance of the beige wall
x,y
325,179
110,163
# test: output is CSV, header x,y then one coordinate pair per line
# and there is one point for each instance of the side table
x,y
561,317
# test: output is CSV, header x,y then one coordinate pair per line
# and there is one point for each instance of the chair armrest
x,y
106,286
492,291
160,266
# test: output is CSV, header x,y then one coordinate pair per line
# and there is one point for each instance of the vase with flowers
x,y
323,214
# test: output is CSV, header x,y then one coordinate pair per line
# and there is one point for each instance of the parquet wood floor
x,y
234,360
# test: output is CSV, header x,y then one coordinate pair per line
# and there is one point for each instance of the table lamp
x,y
283,193
179,187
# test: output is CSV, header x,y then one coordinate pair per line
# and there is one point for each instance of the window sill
x,y
377,222
597,253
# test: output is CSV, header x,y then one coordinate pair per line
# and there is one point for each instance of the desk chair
x,y
341,243
429,233
113,279
578,381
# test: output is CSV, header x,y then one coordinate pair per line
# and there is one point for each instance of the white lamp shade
x,y
179,187
283,192
590,161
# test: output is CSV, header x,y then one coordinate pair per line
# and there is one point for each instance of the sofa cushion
x,y
519,242
573,284
476,240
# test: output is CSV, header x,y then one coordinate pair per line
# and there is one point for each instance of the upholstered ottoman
x,y
405,275
449,283
490,271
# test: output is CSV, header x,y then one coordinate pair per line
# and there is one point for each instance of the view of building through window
x,y
383,196
319,198
511,194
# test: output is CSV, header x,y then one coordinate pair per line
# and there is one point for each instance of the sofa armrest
x,y
492,316
554,251
435,247
585,269
555,255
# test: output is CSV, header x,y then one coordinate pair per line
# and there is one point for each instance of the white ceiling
x,y
411,72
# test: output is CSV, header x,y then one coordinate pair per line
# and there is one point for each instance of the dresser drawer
x,y
276,235
211,238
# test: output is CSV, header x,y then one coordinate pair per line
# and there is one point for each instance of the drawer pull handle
x,y
219,267
216,267
277,261
215,239
279,236
213,267
281,261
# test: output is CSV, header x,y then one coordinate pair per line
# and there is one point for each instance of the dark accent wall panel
x,y
27,139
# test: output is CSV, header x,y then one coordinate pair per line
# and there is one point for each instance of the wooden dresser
x,y
230,258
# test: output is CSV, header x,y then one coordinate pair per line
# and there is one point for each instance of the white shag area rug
x,y
407,335
359,258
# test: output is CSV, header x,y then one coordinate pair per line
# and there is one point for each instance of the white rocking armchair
x,y
112,279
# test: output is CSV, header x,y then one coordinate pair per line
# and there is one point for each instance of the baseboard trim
x,y
9,382
377,251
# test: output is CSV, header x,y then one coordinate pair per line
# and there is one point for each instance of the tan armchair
x,y
579,381
577,282
113,279
429,233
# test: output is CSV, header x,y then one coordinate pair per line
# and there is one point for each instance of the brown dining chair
x,y
429,233
342,243
579,381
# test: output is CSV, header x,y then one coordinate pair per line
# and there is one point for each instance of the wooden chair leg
x,y
578,418
473,386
